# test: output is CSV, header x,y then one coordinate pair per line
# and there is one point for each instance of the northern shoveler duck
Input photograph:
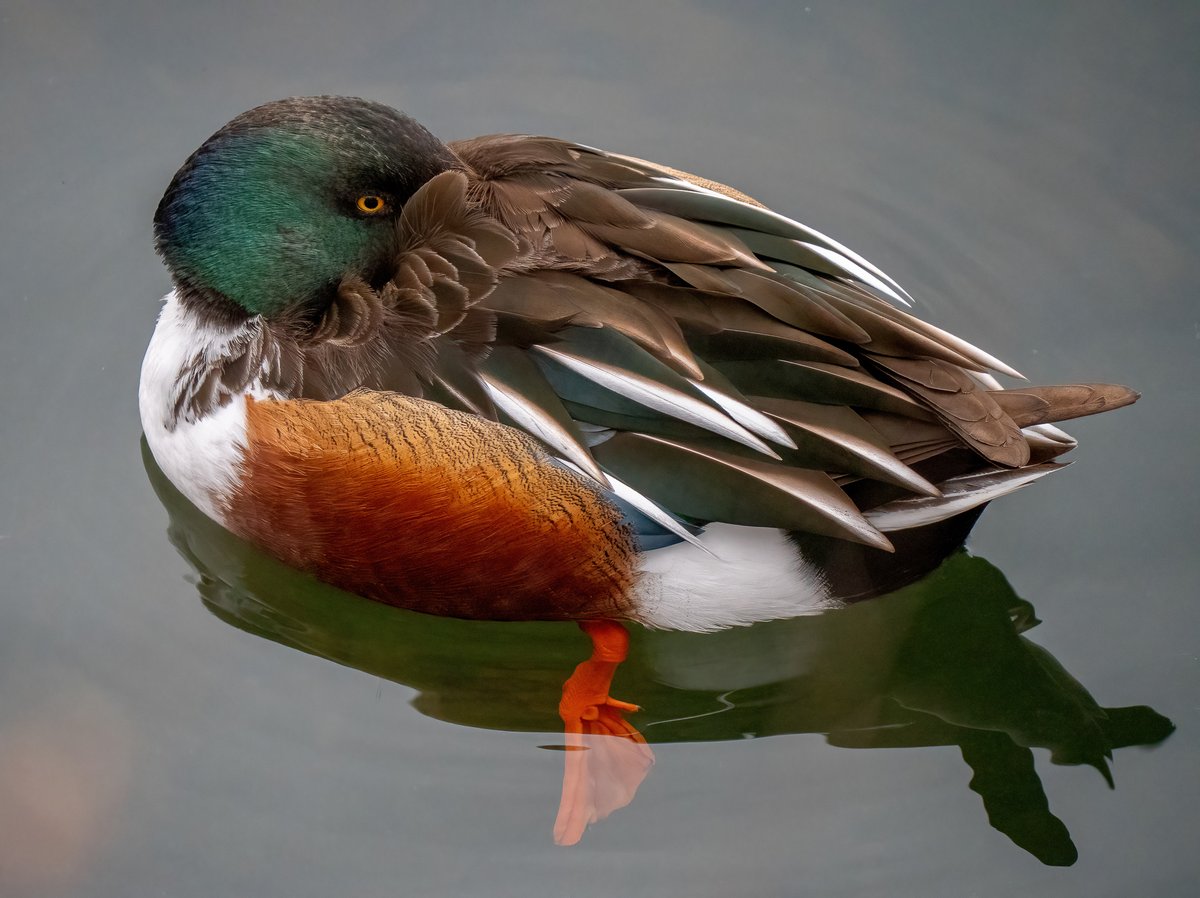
x,y
516,377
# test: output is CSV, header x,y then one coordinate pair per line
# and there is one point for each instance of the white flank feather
x,y
750,574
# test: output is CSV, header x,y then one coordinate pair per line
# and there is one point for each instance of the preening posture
x,y
519,378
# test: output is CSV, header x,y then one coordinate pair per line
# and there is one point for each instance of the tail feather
x,y
1047,442
1042,405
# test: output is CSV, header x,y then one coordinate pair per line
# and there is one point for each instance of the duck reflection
x,y
943,661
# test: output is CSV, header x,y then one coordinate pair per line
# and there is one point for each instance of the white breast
x,y
201,457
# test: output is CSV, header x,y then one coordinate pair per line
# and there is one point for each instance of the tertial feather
x,y
742,490
655,396
959,494
715,207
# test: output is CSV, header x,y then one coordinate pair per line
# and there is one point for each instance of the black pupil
x,y
372,203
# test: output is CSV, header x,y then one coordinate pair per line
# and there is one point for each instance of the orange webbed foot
x,y
606,757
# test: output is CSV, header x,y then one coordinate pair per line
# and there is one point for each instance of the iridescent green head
x,y
284,201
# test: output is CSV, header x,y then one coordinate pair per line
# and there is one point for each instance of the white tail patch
x,y
748,574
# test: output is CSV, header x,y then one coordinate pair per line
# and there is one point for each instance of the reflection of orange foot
x,y
606,758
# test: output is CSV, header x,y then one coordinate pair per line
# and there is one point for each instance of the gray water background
x,y
1027,170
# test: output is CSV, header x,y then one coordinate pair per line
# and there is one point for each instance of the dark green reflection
x,y
941,662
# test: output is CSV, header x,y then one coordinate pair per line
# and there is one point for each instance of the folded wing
x,y
720,359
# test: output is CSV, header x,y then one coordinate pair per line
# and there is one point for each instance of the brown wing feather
x,y
744,350
533,236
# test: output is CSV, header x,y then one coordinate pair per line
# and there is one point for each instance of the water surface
x,y
171,721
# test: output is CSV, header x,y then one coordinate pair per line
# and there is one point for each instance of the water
x,y
168,725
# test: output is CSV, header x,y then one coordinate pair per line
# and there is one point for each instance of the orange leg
x,y
586,692
606,758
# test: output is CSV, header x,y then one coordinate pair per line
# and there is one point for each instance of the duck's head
x,y
279,205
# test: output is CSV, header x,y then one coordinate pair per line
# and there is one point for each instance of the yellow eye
x,y
371,204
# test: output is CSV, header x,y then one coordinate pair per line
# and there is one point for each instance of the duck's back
x,y
732,363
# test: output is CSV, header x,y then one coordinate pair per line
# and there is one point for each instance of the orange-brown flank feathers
x,y
404,501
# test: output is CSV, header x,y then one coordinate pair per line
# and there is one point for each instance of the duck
x,y
519,378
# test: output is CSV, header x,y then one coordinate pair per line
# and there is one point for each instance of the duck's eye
x,y
371,204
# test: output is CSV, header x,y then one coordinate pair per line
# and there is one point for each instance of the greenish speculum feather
x,y
260,218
